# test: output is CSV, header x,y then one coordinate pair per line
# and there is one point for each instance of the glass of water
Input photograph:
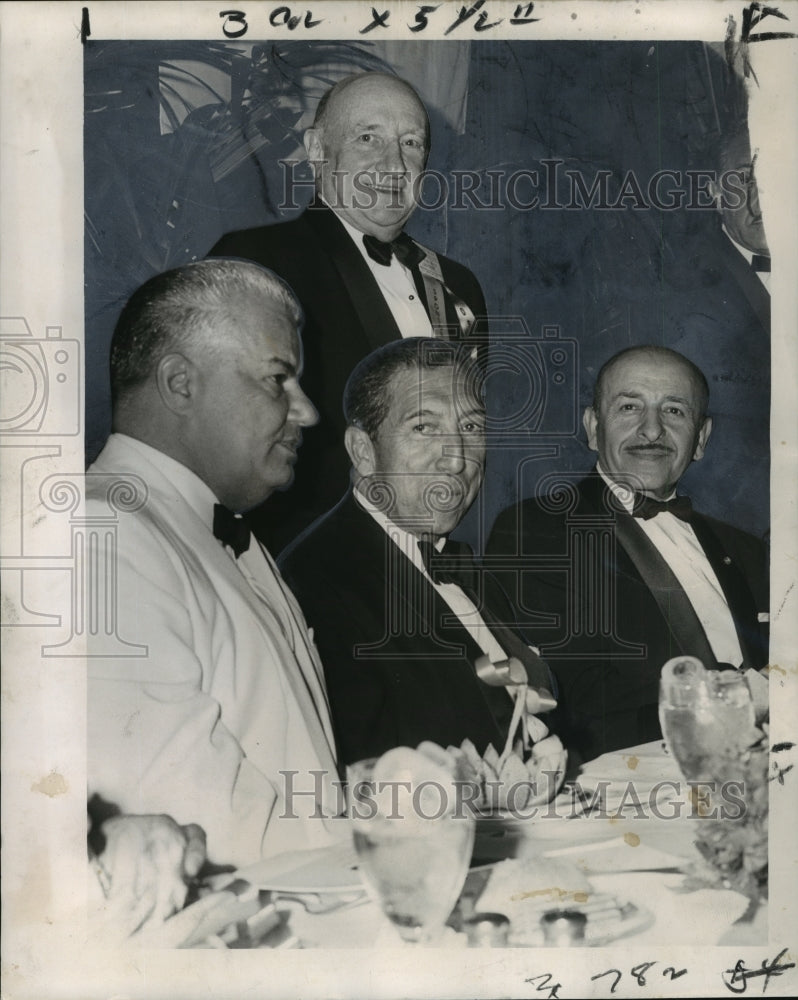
x,y
414,847
707,718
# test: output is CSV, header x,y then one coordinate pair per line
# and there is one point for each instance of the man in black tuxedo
x,y
361,281
412,637
620,573
737,200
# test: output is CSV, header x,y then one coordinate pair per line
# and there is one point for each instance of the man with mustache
x,y
360,279
413,638
212,687
627,573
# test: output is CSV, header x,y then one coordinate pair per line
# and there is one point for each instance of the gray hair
x,y
176,307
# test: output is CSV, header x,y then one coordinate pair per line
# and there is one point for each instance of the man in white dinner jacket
x,y
227,691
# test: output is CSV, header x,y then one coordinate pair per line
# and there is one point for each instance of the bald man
x,y
627,573
361,281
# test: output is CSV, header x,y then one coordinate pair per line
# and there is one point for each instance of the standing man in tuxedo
x,y
360,279
223,691
624,572
413,637
737,200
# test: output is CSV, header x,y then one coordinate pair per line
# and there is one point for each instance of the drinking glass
x,y
707,718
414,850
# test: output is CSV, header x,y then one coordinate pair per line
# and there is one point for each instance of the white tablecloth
x,y
634,851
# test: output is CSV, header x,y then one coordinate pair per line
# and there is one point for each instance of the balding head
x,y
368,146
648,419
205,363
651,355
339,96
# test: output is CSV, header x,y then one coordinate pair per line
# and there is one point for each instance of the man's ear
x,y
314,147
590,423
175,377
360,449
701,439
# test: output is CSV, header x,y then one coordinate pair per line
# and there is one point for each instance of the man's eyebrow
x,y
377,126
420,411
287,366
627,393
632,394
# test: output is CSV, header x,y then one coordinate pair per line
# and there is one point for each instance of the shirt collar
x,y
197,494
624,494
406,541
356,236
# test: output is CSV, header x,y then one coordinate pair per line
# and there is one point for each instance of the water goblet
x,y
413,841
707,718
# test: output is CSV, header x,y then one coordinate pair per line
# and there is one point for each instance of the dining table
x,y
616,845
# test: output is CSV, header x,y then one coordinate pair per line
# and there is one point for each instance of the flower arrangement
x,y
734,845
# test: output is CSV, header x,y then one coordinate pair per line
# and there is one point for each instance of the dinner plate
x,y
525,890
331,869
609,918
320,870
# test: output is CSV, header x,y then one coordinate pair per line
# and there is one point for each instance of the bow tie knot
x,y
406,251
647,507
453,564
230,530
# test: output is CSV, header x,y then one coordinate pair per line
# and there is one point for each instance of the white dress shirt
x,y
525,700
462,606
678,545
398,289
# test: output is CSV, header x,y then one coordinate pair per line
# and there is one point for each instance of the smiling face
x,y
428,452
369,153
650,423
248,409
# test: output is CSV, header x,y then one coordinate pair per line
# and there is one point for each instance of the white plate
x,y
320,870
622,919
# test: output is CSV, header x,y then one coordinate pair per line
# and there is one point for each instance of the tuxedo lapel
x,y
747,280
731,576
412,604
376,320
300,641
734,584
265,596
496,609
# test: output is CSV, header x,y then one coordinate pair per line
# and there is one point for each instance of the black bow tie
x,y
453,564
648,507
406,251
760,263
229,529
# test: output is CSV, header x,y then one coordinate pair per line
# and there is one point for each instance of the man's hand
x,y
143,871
